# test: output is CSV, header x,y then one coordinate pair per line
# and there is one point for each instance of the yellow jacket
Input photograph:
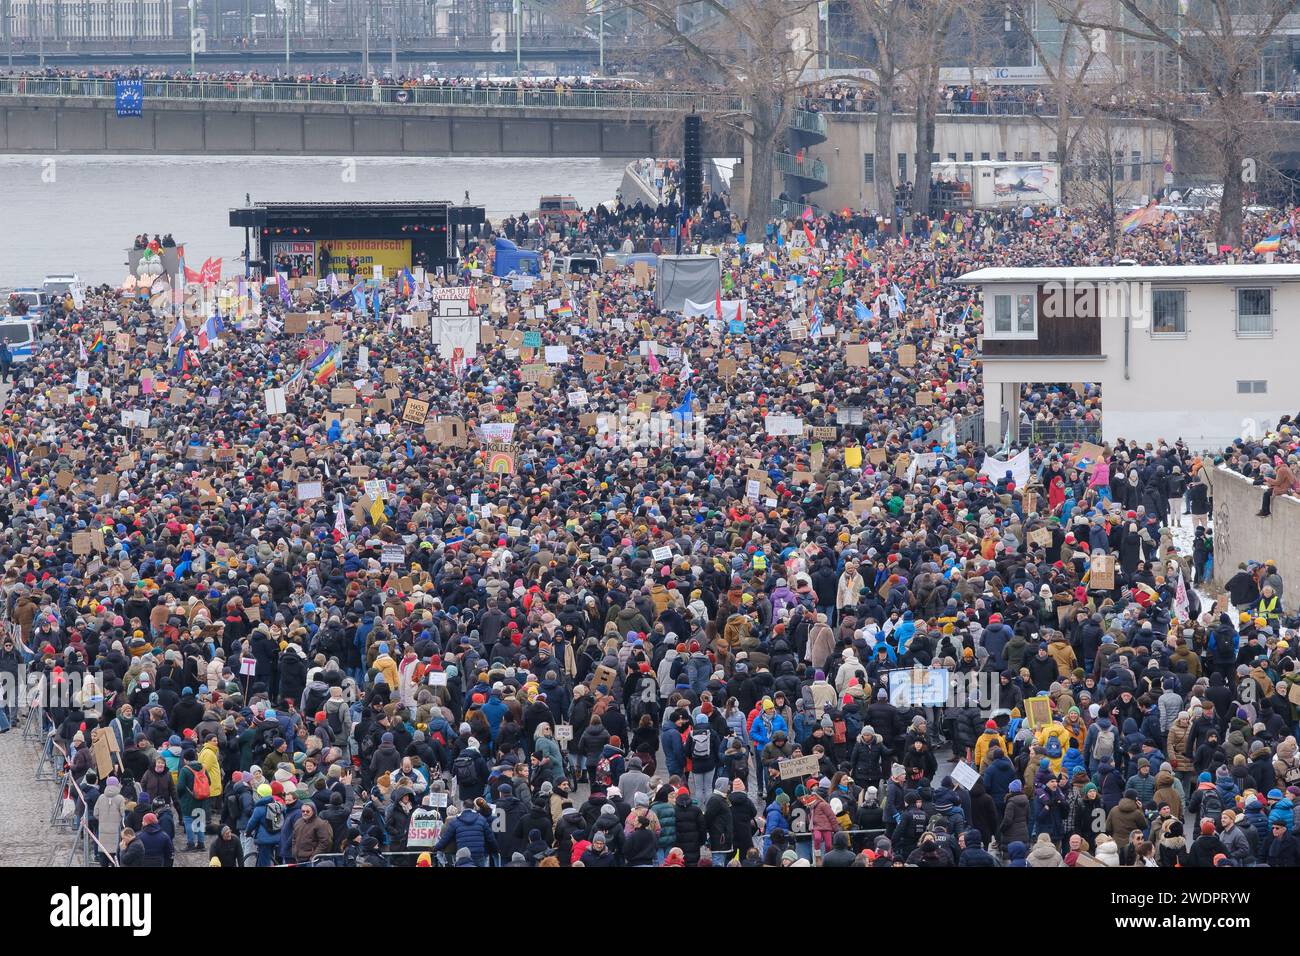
x,y
212,764
986,742
388,667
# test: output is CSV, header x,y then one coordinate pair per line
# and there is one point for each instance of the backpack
x,y
1211,804
202,786
274,817
232,807
463,769
702,745
604,772
334,720
1104,745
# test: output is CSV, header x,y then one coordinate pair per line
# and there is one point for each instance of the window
x,y
902,167
1025,313
1011,315
984,157
1255,312
1019,156
1252,387
1051,155
1002,157
1036,156
952,157
1135,166
1169,312
1002,313
969,157
868,167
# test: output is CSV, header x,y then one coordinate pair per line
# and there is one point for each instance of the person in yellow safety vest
x,y
760,561
1269,607
1054,752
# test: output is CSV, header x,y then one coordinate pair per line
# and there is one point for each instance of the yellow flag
x,y
377,511
853,457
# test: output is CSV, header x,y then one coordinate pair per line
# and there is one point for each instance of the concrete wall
x,y
1179,387
49,125
1240,536
851,136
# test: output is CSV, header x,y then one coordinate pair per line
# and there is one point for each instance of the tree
x,y
930,22
1067,68
886,23
1216,43
760,49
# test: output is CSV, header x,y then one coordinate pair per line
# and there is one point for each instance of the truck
x,y
996,185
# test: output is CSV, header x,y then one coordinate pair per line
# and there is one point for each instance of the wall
x,y
48,125
1183,387
1240,536
852,135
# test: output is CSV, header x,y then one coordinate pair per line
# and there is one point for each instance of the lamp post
x,y
365,44
288,10
191,6
600,7
519,29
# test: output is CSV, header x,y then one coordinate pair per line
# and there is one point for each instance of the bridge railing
x,y
510,97
808,122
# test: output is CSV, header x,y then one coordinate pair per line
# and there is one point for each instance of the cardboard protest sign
x,y
415,412
906,356
295,323
1101,572
858,356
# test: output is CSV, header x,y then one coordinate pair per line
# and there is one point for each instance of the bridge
x,y
72,115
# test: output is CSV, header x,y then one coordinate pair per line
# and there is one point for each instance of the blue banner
x,y
130,97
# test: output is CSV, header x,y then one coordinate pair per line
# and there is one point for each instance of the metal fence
x,y
288,91
1066,432
813,169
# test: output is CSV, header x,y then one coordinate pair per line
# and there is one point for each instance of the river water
x,y
80,213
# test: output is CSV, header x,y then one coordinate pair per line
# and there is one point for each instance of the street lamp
x,y
365,44
288,9
192,4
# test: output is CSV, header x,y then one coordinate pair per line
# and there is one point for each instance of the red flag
x,y
718,303
812,241
473,306
211,271
839,312
192,276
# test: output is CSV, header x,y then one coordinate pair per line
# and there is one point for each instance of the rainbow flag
x,y
1138,218
98,344
325,367
1270,244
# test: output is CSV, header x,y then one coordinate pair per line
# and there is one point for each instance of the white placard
x,y
556,354
783,424
310,490
662,554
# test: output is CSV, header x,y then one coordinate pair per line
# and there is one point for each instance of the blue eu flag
x,y
130,97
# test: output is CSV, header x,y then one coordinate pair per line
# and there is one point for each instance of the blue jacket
x,y
470,830
494,710
257,824
998,777
1282,813
773,820
674,751
157,844
761,735
286,831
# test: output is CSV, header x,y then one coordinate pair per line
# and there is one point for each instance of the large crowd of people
x,y
630,590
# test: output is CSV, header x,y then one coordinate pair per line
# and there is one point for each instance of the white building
x,y
1201,353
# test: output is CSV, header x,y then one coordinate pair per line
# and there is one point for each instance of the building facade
x,y
1201,353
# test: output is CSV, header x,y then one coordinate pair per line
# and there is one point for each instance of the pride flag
x,y
325,367
1270,244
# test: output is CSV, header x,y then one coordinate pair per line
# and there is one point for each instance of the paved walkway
x,y
26,837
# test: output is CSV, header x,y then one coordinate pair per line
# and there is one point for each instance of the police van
x,y
21,334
